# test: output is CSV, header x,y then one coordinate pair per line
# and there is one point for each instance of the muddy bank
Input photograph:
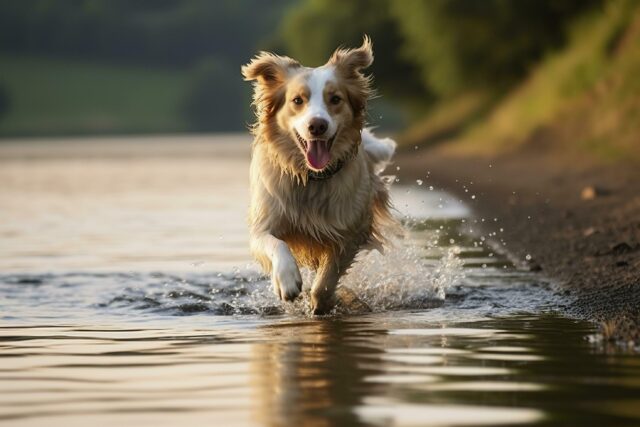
x,y
575,219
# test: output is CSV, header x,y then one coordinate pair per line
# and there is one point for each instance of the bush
x,y
435,48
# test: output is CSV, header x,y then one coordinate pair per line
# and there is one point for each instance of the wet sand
x,y
574,218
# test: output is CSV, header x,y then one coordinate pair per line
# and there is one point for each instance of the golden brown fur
x,y
294,220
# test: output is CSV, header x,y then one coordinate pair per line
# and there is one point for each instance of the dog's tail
x,y
380,150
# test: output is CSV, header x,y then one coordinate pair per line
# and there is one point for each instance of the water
x,y
127,297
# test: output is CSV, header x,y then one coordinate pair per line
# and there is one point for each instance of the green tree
x,y
435,47
313,29
487,44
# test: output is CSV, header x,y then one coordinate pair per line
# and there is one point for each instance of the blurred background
x,y
72,67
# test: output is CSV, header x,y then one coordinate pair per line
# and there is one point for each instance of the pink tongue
x,y
318,153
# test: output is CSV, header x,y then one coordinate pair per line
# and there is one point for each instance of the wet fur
x,y
319,224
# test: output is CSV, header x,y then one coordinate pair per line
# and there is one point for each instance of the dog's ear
x,y
268,69
351,62
269,73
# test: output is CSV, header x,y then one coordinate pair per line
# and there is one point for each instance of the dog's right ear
x,y
269,69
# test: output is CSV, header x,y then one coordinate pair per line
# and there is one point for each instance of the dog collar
x,y
334,168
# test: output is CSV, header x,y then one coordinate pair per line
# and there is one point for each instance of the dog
x,y
317,197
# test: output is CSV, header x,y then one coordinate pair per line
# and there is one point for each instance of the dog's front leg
x,y
322,291
330,270
285,274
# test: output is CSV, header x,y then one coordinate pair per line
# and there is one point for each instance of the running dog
x,y
316,194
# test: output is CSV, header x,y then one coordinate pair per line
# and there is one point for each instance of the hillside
x,y
584,98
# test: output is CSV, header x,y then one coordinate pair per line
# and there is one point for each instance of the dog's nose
x,y
318,126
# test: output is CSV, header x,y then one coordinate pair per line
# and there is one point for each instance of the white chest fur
x,y
321,209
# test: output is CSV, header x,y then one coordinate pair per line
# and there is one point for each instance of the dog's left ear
x,y
351,62
268,69
269,73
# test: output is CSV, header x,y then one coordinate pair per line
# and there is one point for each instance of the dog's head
x,y
311,117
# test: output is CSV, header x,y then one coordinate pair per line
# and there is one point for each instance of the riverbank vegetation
x,y
489,74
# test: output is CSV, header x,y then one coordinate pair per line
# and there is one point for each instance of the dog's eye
x,y
298,100
335,100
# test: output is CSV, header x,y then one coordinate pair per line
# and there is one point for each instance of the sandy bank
x,y
577,219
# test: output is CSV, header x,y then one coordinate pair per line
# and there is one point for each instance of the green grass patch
x,y
60,97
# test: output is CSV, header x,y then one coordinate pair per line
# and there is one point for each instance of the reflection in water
x,y
309,373
521,370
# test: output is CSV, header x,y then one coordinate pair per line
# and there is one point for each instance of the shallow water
x,y
127,296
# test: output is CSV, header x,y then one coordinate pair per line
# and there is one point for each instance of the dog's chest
x,y
330,207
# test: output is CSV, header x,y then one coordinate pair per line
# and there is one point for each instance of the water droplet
x,y
528,257
431,188
419,181
473,196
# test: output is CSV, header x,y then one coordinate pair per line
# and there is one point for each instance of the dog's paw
x,y
286,279
322,303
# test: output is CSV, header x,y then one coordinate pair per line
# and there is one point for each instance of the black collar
x,y
334,168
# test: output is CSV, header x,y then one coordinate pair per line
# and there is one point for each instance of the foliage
x,y
587,95
313,29
148,32
473,44
428,52
436,47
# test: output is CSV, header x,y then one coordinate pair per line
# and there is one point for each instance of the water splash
x,y
402,278
437,263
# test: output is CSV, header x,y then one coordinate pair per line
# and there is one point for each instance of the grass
x,y
57,96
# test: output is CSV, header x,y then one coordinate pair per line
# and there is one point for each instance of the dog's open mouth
x,y
317,151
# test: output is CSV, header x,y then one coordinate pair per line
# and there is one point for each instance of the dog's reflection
x,y
313,373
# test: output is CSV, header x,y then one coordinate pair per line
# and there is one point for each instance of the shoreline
x,y
576,220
